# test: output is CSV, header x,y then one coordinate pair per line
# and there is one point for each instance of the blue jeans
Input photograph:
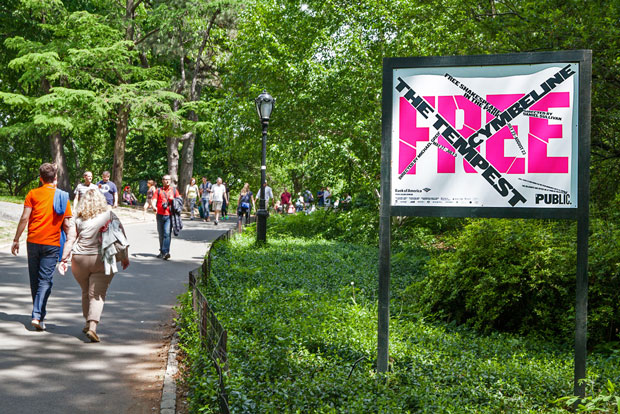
x,y
41,265
205,207
164,229
192,204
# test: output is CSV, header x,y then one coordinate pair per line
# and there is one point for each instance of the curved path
x,y
59,371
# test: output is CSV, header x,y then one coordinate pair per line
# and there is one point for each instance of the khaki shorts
x,y
217,205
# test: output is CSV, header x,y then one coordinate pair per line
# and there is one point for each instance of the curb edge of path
x,y
169,391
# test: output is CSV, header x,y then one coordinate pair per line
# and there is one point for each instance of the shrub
x,y
503,274
519,276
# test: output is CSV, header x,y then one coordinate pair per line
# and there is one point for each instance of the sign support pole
x,y
384,292
385,218
581,307
583,224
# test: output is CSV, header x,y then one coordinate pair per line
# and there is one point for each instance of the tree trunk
x,y
172,148
187,155
122,129
57,150
78,168
187,164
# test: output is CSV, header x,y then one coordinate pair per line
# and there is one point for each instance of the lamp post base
x,y
261,225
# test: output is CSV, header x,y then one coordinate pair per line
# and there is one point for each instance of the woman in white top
x,y
191,193
87,265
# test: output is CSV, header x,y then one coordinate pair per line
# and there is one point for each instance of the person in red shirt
x,y
43,242
285,200
162,201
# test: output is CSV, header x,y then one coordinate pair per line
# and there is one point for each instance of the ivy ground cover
x,y
301,316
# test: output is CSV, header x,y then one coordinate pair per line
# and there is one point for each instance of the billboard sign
x,y
484,135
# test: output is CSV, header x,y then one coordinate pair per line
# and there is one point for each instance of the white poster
x,y
485,136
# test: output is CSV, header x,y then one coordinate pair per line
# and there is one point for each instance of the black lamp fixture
x,y
264,105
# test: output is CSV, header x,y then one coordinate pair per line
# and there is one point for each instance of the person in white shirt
x,y
268,195
327,197
218,195
82,188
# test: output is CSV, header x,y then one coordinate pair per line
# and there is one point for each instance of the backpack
x,y
245,200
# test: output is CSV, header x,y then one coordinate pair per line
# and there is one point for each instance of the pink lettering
x,y
410,134
540,134
495,144
447,108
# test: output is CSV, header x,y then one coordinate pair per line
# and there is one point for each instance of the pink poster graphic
x,y
485,136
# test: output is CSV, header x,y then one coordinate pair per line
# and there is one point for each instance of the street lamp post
x,y
264,106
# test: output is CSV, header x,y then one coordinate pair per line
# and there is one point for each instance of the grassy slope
x,y
302,338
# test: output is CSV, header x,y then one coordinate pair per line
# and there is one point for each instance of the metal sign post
x,y
487,136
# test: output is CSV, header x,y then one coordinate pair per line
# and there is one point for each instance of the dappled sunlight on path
x,y
59,370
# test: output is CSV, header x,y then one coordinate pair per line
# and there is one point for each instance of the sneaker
x,y
191,218
160,256
167,256
38,325
215,222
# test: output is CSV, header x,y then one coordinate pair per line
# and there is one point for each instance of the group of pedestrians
x,y
306,202
92,242
214,196
91,237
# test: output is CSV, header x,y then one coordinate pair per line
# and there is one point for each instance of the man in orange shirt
x,y
43,242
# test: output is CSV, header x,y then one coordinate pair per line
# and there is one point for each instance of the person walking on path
x,y
285,200
299,205
43,242
327,198
308,200
243,206
205,197
218,195
319,197
162,201
191,193
83,187
108,189
87,257
268,195
149,195
225,202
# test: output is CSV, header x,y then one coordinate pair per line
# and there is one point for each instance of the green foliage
x,y
203,379
355,226
301,316
605,401
519,276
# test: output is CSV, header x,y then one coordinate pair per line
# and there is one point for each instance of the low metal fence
x,y
212,334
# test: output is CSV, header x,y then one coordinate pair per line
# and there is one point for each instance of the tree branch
x,y
200,51
137,42
135,6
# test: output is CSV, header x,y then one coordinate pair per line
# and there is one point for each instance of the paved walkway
x,y
59,371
